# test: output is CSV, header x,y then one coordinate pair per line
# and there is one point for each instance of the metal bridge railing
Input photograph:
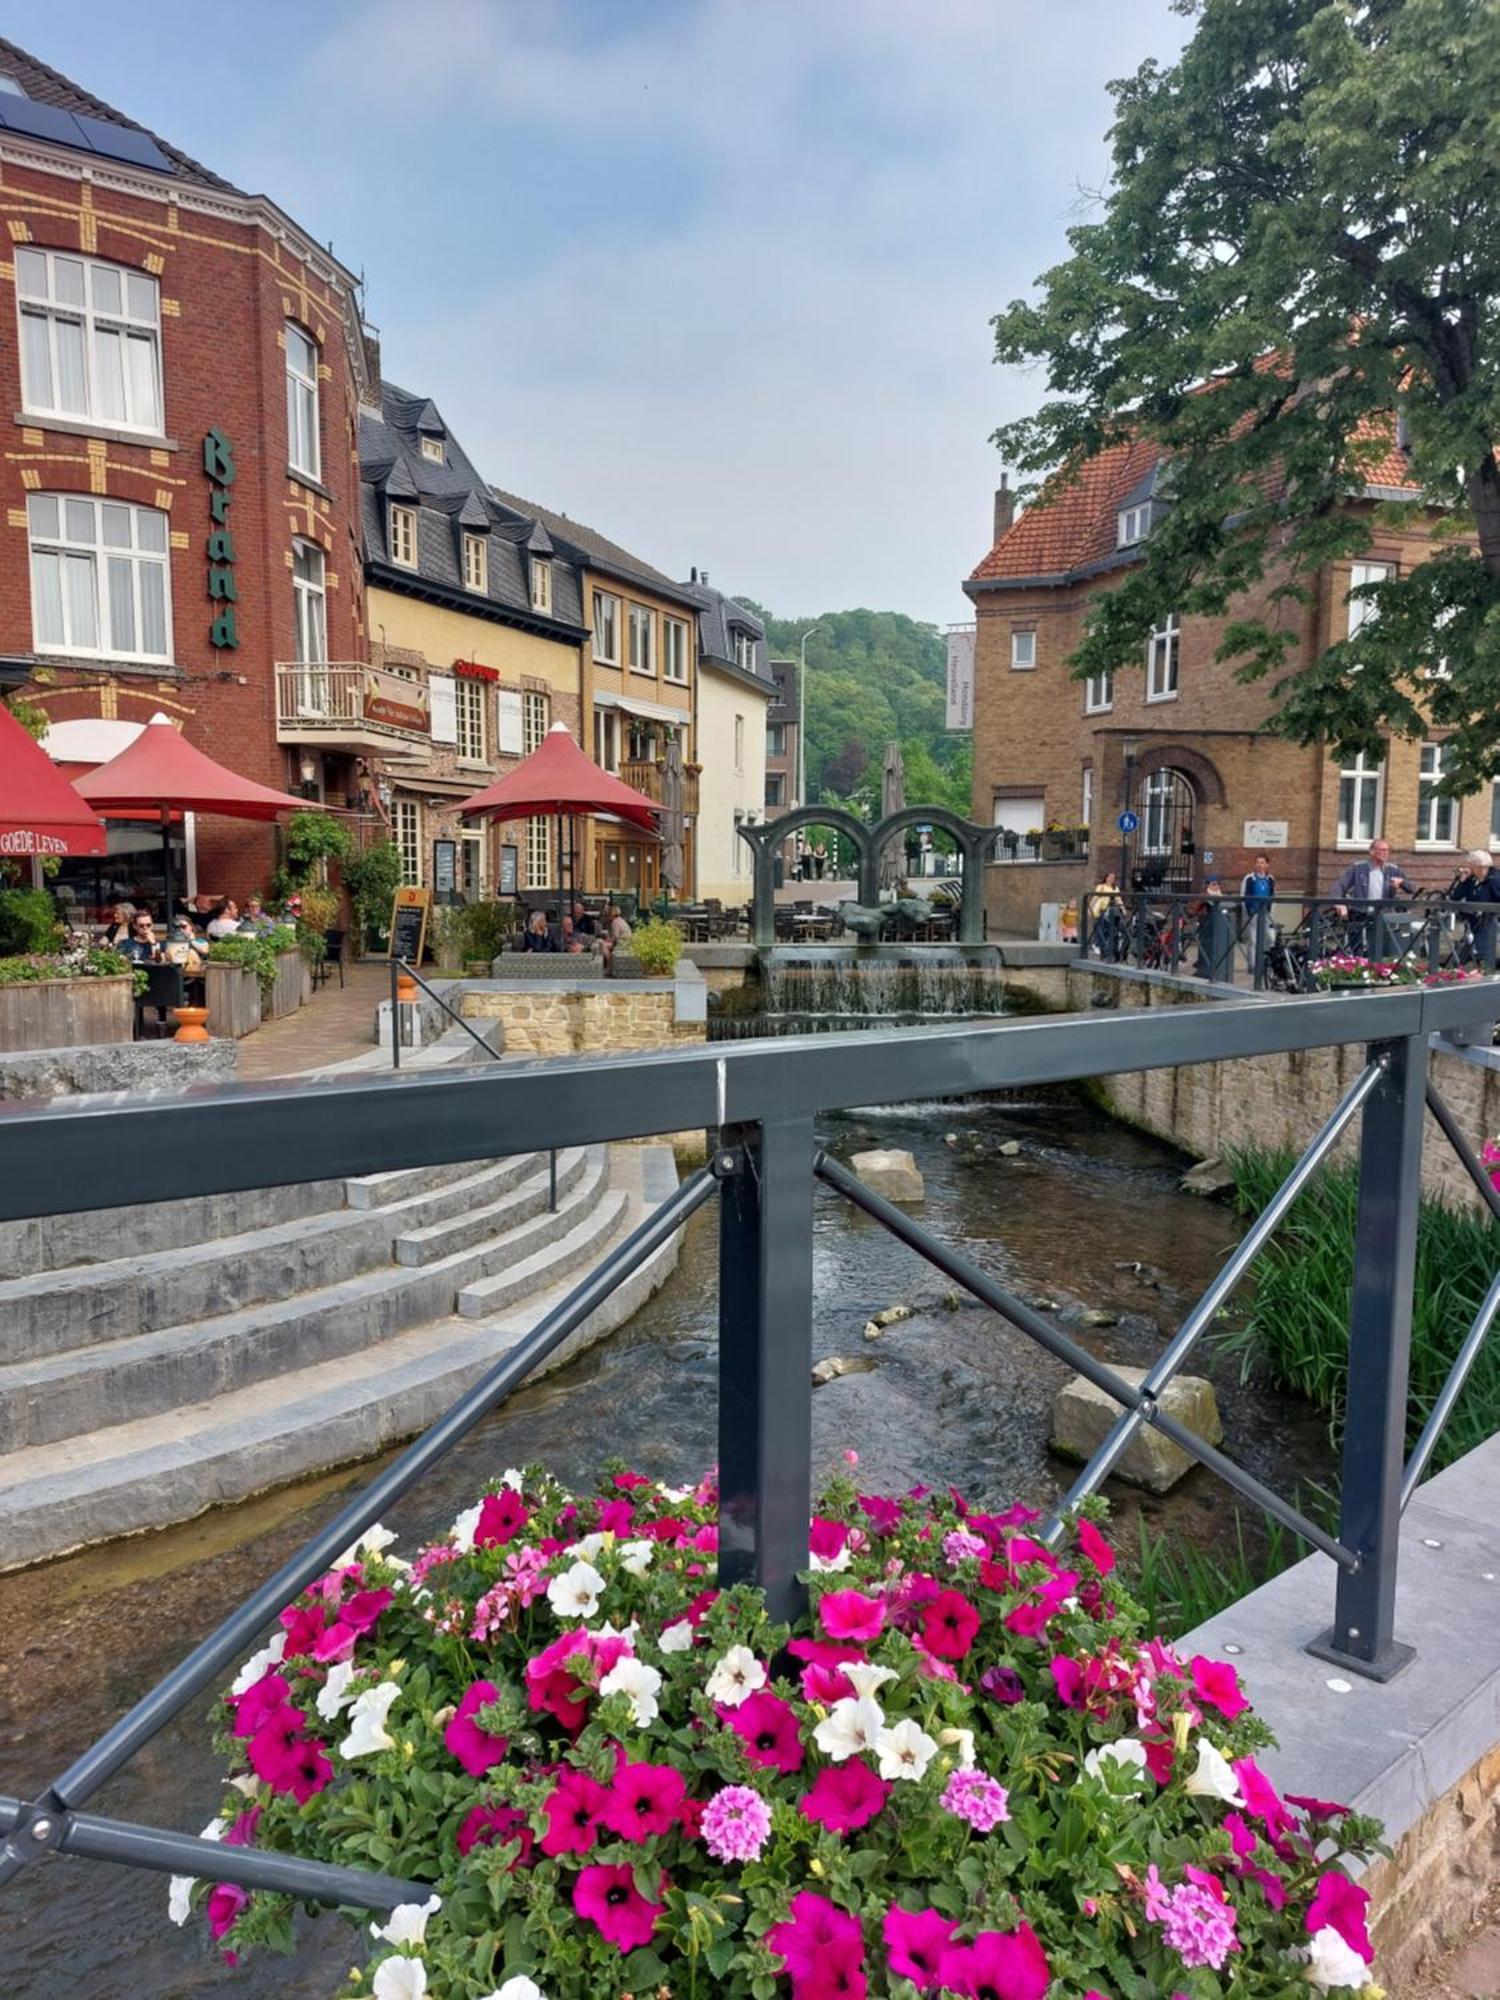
x,y
760,1100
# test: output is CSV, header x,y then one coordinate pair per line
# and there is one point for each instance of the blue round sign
x,y
1128,822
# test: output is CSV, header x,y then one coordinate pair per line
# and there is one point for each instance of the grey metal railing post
x,y
1262,933
395,1010
1385,1249
765,1360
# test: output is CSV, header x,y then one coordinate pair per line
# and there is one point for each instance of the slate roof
x,y
45,85
719,618
451,499
588,545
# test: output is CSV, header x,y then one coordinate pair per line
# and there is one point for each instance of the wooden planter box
x,y
292,985
233,1000
67,1013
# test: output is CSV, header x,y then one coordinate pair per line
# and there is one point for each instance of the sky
x,y
714,276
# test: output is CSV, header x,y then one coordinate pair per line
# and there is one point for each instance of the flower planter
x,y
67,1013
288,991
233,994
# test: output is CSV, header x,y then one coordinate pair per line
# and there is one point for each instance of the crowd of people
x,y
199,921
579,932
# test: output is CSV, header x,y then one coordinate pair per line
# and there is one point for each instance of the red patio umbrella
x,y
40,812
557,778
161,772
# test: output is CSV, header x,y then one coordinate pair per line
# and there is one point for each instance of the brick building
x,y
180,483
782,726
1178,739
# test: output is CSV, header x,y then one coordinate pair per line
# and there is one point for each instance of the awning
x,y
650,711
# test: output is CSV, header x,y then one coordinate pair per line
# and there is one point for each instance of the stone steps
x,y
145,1470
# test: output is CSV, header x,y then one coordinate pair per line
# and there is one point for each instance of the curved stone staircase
x,y
155,1361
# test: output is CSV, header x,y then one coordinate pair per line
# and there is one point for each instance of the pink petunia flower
x,y
818,1935
999,1965
226,1904
644,1801
915,1941
259,1702
827,1539
608,1898
1217,1685
848,1614
767,1727
1094,1546
1340,1905
1262,1800
497,1826
616,1517
475,1747
502,1516
845,1797
949,1625
883,1515
574,1811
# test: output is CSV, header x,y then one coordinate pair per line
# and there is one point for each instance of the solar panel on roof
x,y
124,142
42,121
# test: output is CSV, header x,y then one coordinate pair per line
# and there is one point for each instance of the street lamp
x,y
1129,745
802,716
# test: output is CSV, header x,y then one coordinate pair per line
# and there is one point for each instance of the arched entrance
x,y
1164,846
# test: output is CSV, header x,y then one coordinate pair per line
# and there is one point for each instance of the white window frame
x,y
432,449
1435,810
607,739
1086,797
1163,659
606,628
63,554
744,651
674,660
302,403
534,720
469,706
310,624
406,826
473,858
1157,820
1367,781
1495,815
1360,610
477,564
1134,525
539,853
1023,650
739,743
541,584
401,535
1099,694
141,394
640,639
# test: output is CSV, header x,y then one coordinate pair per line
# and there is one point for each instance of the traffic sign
x,y
1128,822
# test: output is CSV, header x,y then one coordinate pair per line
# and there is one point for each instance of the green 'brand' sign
x,y
218,463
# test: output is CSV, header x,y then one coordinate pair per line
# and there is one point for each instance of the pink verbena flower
x,y
1197,1919
978,1798
736,1824
959,1545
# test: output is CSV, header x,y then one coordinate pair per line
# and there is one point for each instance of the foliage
x,y
311,839
1180,1586
657,946
320,906
258,953
484,930
964,1763
1305,213
74,962
372,878
28,921
32,717
1299,1315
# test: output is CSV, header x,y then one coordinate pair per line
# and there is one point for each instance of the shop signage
x,y
381,707
218,463
1266,832
960,691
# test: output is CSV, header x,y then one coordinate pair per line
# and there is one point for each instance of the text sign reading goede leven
x,y
218,463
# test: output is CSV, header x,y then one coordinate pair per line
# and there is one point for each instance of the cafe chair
x,y
333,955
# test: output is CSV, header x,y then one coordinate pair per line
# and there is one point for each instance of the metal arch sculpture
x,y
974,844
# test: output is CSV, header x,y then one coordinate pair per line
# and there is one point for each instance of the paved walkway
x,y
335,1024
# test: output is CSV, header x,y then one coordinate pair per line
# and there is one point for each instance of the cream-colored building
x,y
735,692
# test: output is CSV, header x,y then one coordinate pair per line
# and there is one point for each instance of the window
x,y
476,564
642,634
90,340
674,665
533,720
1361,609
606,739
406,820
99,580
1098,694
1437,817
469,706
538,853
1086,809
308,604
607,628
473,875
1017,818
1023,649
1160,799
775,788
432,447
744,651
1161,659
403,537
739,742
1360,797
1134,525
775,739
302,450
541,585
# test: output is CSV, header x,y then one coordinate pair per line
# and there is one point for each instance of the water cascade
x,y
834,988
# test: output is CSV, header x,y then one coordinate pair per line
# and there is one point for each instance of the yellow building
x,y
735,692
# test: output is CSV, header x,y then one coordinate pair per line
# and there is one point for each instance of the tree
x,y
1300,251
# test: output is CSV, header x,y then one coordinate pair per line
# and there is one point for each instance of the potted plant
x,y
372,878
656,947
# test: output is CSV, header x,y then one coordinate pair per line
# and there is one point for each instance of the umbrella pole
x,y
560,911
166,865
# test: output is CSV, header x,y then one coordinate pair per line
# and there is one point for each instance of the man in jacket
x,y
1366,884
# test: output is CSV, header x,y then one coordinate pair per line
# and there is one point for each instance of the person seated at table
x,y
118,924
583,923
537,937
185,950
141,947
227,922
572,943
616,932
255,920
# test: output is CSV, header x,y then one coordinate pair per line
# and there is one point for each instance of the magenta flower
x,y
768,1729
285,1756
496,1826
616,1517
977,1798
1262,1800
1316,1808
475,1747
883,1515
848,1614
949,1625
609,1899
1340,1905
502,1516
1094,1546
915,1941
827,1539
818,1937
573,1812
845,1797
259,1702
226,1903
736,1824
999,1965
1217,1685
644,1801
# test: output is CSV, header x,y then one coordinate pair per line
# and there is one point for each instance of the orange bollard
x,y
190,1022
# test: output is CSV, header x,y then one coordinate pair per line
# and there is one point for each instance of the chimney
x,y
1005,505
370,338
695,575
703,576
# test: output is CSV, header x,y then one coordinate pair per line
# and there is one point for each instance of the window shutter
x,y
442,691
510,723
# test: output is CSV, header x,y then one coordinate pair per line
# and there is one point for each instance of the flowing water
x,y
831,988
953,1395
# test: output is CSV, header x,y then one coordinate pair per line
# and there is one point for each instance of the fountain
x,y
832,988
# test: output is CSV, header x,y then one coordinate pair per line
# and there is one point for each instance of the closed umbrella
x,y
673,860
40,812
892,800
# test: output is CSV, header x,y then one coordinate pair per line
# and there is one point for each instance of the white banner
x,y
961,676
442,691
1266,832
511,742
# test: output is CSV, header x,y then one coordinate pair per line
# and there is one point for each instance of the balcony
x,y
346,705
649,776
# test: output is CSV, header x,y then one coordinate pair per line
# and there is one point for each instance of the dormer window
x,y
432,447
744,651
476,564
402,538
541,584
1135,525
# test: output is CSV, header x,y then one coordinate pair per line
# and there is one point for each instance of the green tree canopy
x,y
1305,216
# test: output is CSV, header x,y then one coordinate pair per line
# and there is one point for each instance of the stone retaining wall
x,y
132,1066
582,1021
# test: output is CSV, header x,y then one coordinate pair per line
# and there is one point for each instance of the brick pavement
x,y
333,1025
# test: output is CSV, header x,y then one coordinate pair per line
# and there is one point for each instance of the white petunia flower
x,y
334,1695
1127,1752
247,1785
676,1638
865,1677
513,1479
180,1888
407,1923
466,1527
370,1543
963,1740
635,1557
400,1979
258,1664
1211,1777
849,1729
735,1678
642,1683
587,1547
518,1987
675,1494
367,1719
1331,1962
825,1563
576,1593
905,1751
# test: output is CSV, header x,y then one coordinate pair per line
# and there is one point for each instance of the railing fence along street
x,y
760,1101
